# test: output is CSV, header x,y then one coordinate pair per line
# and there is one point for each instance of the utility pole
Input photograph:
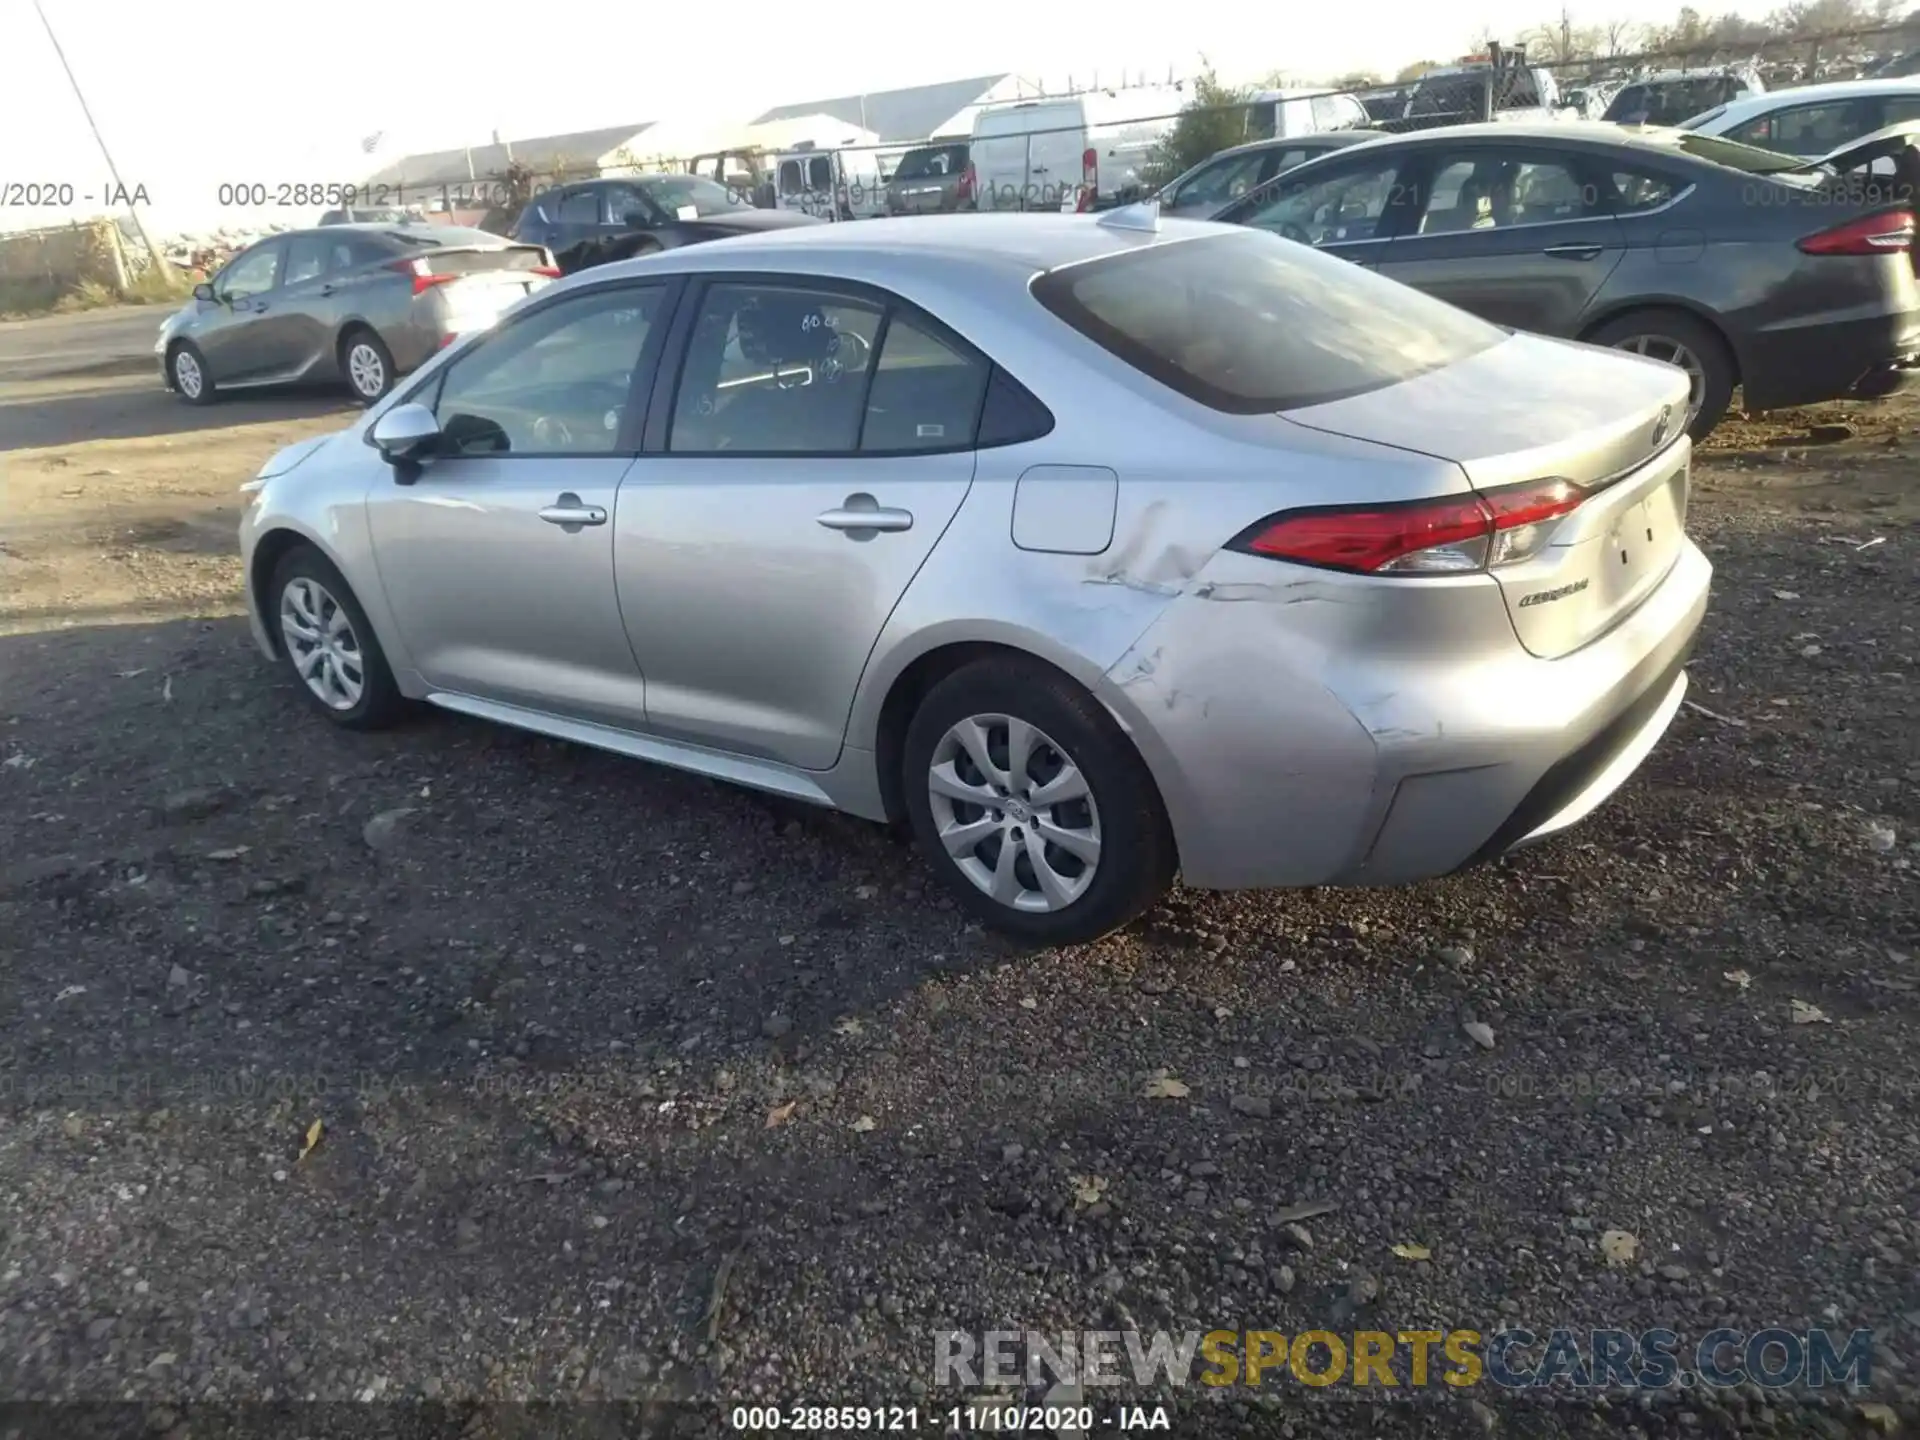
x,y
159,260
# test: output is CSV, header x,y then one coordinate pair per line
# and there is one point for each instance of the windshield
x,y
1668,102
932,162
672,193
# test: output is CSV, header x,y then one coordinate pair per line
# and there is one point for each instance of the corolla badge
x,y
1662,425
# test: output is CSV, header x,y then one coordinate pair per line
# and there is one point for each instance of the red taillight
x,y
1457,535
552,272
964,192
1890,232
416,270
1090,166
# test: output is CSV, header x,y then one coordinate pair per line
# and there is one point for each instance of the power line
x,y
132,209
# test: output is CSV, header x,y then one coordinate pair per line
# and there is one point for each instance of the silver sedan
x,y
1097,550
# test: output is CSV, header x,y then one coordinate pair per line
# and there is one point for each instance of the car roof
x,y
1008,245
1334,138
1748,106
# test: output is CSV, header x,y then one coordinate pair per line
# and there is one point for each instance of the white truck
x,y
1070,152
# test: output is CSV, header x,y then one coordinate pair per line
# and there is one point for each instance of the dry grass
x,y
22,299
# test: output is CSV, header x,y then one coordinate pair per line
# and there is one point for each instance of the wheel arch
x,y
1693,310
915,676
275,539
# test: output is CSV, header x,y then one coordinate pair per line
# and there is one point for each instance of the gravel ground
x,y
460,1066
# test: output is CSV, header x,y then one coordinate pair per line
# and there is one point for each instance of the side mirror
x,y
204,291
404,434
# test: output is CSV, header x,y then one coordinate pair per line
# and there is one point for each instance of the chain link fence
x,y
1129,158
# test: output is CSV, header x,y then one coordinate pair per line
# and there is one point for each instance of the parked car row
x,y
1793,279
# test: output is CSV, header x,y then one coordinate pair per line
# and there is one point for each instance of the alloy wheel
x,y
186,374
366,371
1665,348
321,642
1014,812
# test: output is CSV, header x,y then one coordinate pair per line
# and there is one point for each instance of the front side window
x,y
555,382
1222,181
791,182
1346,206
1246,324
254,273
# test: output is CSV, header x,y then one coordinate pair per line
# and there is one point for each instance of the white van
x,y
1069,152
830,184
1284,114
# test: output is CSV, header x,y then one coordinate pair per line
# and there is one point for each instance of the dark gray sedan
x,y
359,303
1225,176
1794,280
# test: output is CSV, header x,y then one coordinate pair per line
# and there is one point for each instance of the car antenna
x,y
1143,215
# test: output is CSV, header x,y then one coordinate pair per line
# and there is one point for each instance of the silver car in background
x,y
1096,551
357,303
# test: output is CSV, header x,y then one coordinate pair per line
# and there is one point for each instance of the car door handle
x,y
568,510
867,516
1573,252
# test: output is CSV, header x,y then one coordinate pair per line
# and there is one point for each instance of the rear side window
x,y
1249,323
924,395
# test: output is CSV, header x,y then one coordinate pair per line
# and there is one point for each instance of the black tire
x,y
186,349
1136,858
355,339
380,703
1716,360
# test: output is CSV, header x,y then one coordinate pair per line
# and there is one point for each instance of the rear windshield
x,y
444,235
496,257
932,162
1248,323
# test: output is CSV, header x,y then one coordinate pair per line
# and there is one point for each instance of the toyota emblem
x,y
1661,425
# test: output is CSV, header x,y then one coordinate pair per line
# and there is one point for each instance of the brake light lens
x,y
1458,535
417,271
1890,232
552,272
964,191
1090,166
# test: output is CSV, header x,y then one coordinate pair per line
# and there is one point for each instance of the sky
x,y
243,94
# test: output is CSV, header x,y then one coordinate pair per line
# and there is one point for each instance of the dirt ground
x,y
454,1066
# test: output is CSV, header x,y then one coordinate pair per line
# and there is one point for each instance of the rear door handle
x,y
569,513
861,513
1573,252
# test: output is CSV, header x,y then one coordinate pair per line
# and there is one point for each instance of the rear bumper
x,y
1294,743
1848,359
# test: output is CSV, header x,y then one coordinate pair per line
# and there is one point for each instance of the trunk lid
x,y
485,282
1530,410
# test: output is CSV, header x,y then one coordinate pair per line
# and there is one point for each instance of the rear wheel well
x,y
911,686
1698,317
267,552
